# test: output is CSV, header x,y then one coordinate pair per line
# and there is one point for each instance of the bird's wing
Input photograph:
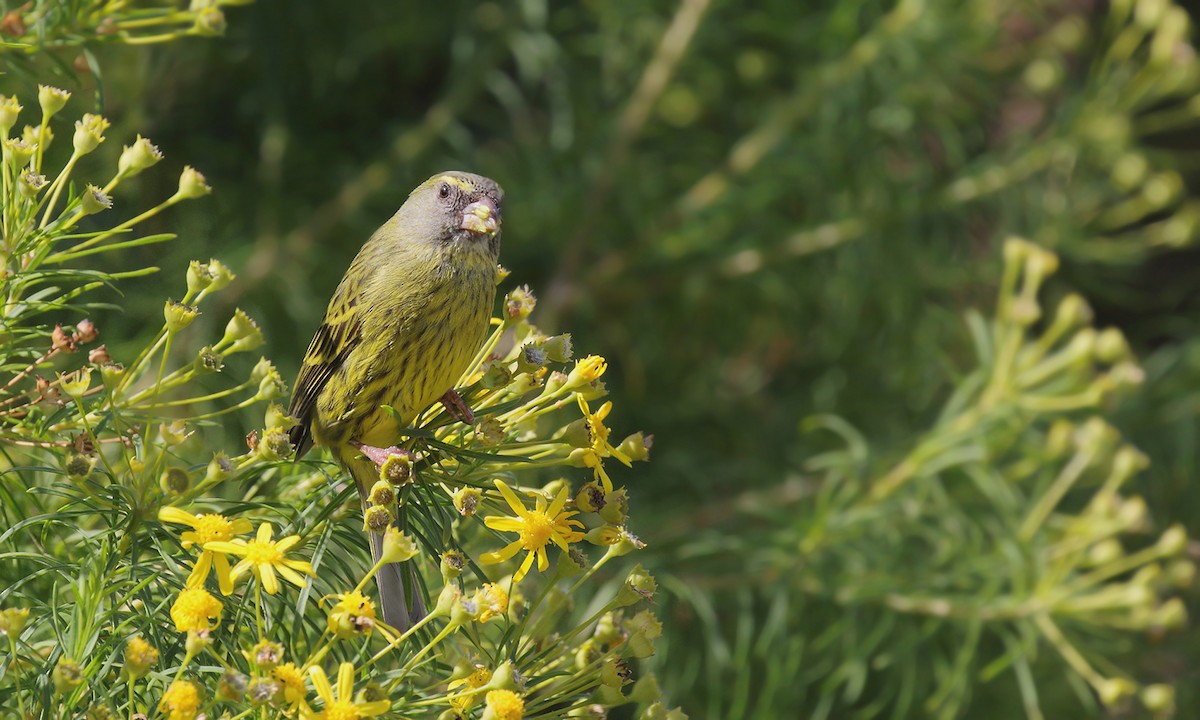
x,y
336,337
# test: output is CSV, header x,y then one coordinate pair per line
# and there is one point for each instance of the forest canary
x,y
403,324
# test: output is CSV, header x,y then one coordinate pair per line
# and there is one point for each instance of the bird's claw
x,y
380,455
456,408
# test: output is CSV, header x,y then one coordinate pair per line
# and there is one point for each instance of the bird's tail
x,y
401,607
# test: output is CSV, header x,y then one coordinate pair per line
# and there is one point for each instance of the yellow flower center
x,y
293,682
193,609
506,704
536,531
181,699
263,553
213,528
340,710
355,603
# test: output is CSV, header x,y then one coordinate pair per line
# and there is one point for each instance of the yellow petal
x,y
242,525
345,686
175,515
504,524
264,532
302,566
321,684
286,544
189,538
543,561
373,708
290,575
557,506
200,571
266,574
240,569
491,558
521,571
511,498
223,578
557,539
233,547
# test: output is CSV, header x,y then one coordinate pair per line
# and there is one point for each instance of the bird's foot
x,y
457,409
380,455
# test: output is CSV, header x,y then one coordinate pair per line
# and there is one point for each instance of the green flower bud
x,y
489,431
1105,552
261,690
1025,311
1171,615
52,100
191,185
197,641
137,157
232,686
1182,573
530,359
174,481
9,110
1129,171
112,373
67,676
590,497
178,315
17,152
506,677
210,22
1131,514
1111,346
1162,189
519,303
558,348
94,200
79,467
89,133
30,184
496,376
626,543
447,599
615,672
208,361
38,136
555,381
616,506
218,469
140,657
241,334
13,620
397,469
452,564
382,493
637,446
1159,698
608,629
1113,690
398,547
571,564
466,501
588,653
274,446
658,712
639,585
1173,541
76,384
645,690
605,535
173,433
376,519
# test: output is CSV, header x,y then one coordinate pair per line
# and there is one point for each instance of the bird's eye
x,y
444,191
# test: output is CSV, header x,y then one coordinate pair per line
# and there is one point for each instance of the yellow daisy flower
x,y
206,528
477,679
537,528
265,557
504,705
341,705
195,609
601,448
180,701
291,683
353,614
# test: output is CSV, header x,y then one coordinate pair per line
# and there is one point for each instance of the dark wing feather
x,y
335,338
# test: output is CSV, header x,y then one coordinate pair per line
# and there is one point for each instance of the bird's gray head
x,y
459,210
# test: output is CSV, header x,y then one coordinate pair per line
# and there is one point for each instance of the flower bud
x,y
382,493
530,359
30,184
137,157
570,564
590,497
94,200
1105,552
178,315
645,690
140,657
274,446
76,384
604,535
376,519
1131,514
452,565
503,705
79,467
616,506
1182,573
191,185
85,331
1173,541
241,334
52,100
1171,615
658,711
197,641
1111,346
210,22
615,672
625,544
17,152
173,433
491,601
1158,698
639,585
89,133
397,469
67,675
558,348
636,447
261,690
466,500
586,371
9,110
519,303
232,686
218,469
398,547
496,376
12,621
1113,690
489,431
174,481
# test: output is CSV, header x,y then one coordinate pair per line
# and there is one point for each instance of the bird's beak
x,y
481,217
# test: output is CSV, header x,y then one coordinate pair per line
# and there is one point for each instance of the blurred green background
x,y
759,212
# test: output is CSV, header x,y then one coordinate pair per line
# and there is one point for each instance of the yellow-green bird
x,y
404,323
